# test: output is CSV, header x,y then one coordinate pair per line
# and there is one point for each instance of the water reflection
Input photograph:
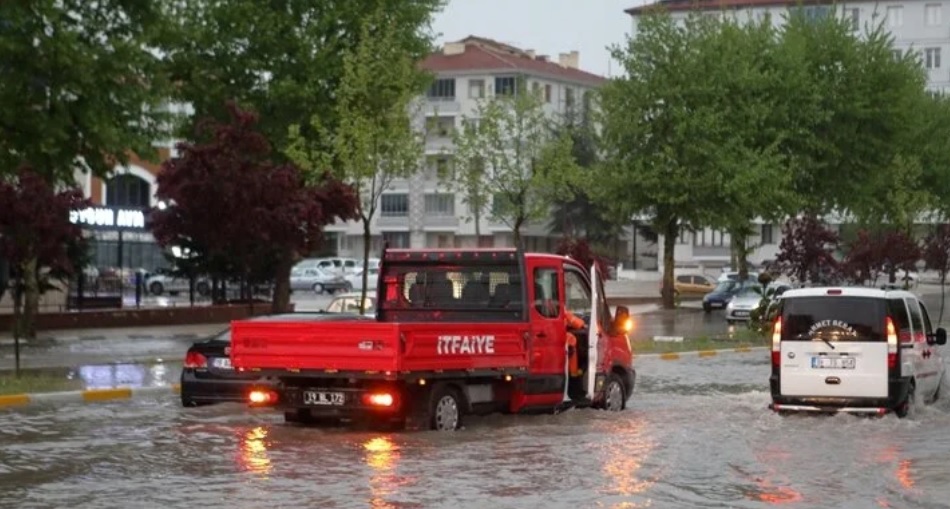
x,y
253,455
629,446
382,456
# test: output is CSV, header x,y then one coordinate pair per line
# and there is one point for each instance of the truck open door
x,y
594,332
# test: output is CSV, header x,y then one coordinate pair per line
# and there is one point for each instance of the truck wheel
x,y
445,409
615,397
906,408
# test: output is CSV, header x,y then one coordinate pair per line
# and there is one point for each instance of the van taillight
x,y
777,341
891,343
195,360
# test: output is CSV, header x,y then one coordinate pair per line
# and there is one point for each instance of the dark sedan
x,y
207,376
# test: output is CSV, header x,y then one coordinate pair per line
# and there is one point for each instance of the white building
x,y
916,25
419,211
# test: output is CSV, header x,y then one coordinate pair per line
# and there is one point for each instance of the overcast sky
x,y
546,26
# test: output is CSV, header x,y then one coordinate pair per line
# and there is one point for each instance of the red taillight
x,y
777,342
834,291
892,340
195,360
381,399
262,397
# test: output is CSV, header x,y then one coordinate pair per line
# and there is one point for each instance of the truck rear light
x,y
262,397
381,399
195,360
834,291
777,341
892,340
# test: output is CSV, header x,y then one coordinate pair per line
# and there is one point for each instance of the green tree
x,y
691,131
468,174
375,140
526,166
81,89
283,59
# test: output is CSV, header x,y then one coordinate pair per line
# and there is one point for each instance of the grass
x,y
34,382
741,338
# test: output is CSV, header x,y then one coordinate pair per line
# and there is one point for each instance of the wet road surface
x,y
697,434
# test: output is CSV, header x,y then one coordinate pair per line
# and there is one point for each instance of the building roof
x,y
481,54
714,5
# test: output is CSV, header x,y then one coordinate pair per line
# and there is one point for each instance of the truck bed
x,y
368,346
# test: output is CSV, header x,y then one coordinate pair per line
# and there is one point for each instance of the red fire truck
x,y
456,332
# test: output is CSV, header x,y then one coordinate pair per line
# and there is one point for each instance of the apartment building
x,y
420,211
916,25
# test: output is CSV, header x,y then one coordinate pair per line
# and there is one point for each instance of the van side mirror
x,y
623,322
940,336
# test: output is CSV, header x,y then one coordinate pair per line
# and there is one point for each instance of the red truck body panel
x,y
372,346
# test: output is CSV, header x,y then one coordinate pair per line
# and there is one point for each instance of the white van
x,y
856,350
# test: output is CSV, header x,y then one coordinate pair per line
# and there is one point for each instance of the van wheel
x,y
615,396
707,308
906,407
445,409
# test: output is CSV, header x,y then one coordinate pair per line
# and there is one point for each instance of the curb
x,y
86,396
101,337
675,356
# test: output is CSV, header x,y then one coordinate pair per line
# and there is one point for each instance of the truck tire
x,y
907,408
615,395
445,409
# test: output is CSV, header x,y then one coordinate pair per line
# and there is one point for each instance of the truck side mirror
x,y
623,322
940,336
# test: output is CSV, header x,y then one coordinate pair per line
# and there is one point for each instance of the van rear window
x,y
833,319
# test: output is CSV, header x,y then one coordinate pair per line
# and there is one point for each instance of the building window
x,y
895,16
767,234
547,94
568,97
932,58
127,190
476,89
536,88
505,85
440,204
394,205
854,16
442,89
396,239
814,13
683,238
932,14
711,238
898,54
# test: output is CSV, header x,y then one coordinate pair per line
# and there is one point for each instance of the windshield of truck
x,y
443,292
833,319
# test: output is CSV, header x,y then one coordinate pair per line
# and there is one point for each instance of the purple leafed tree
x,y
240,212
35,235
580,250
899,251
807,250
863,262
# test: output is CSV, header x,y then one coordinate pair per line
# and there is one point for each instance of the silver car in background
x,y
741,306
318,280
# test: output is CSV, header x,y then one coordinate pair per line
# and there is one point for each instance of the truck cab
x,y
456,332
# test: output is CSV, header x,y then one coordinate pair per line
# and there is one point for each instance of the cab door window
x,y
897,310
546,295
928,325
576,293
916,319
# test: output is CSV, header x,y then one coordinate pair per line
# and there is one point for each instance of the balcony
x,y
711,252
393,221
441,106
440,222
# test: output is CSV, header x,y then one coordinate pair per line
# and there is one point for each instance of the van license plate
x,y
832,362
322,398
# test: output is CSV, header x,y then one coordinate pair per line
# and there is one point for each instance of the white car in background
x,y
356,279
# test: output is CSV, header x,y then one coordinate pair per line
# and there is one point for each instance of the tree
x,y
680,146
580,250
899,251
468,175
81,86
35,235
374,142
239,212
863,261
936,254
528,166
807,250
283,59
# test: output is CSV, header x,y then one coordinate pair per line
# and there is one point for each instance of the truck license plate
x,y
832,362
322,398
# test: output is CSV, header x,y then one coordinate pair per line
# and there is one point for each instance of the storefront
x,y
119,239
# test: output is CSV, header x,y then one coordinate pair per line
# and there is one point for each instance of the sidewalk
x,y
175,332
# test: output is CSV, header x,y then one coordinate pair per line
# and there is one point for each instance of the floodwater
x,y
697,434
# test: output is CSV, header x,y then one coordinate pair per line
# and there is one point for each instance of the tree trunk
x,y
738,241
366,241
31,299
280,302
516,232
670,232
478,227
943,295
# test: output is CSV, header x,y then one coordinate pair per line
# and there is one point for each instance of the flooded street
x,y
697,434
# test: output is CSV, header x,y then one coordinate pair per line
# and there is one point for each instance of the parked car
x,y
331,265
318,280
724,292
350,303
356,279
740,308
855,350
165,281
207,376
691,285
732,275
